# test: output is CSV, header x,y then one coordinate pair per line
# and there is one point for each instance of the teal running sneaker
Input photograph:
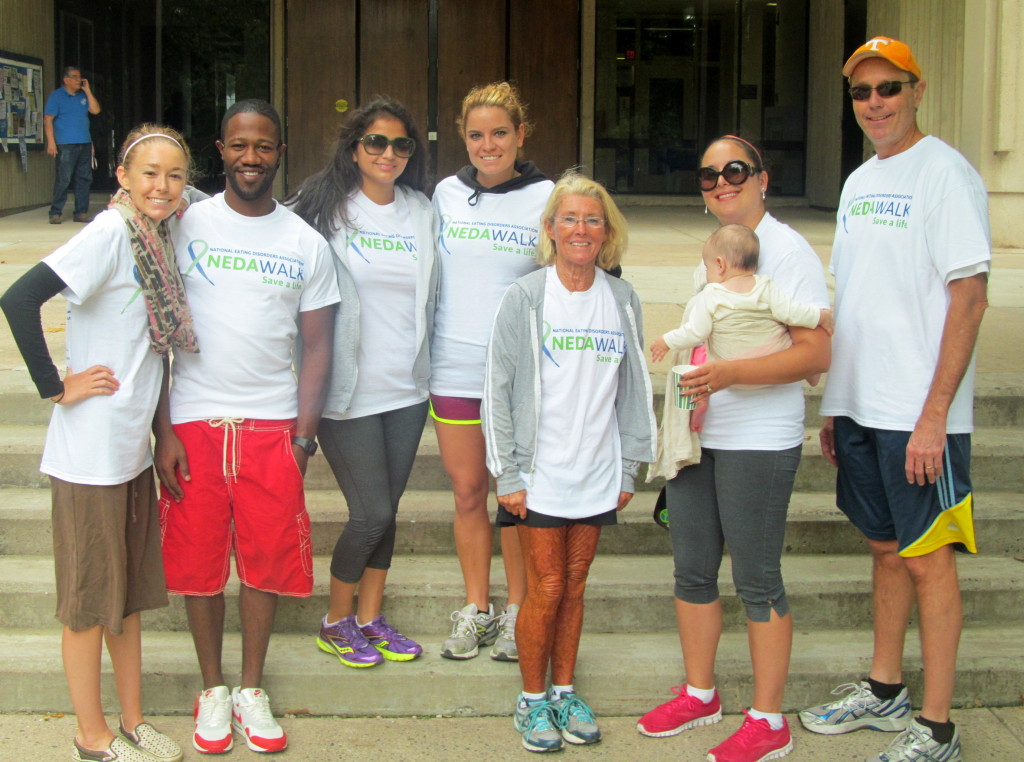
x,y
575,719
535,720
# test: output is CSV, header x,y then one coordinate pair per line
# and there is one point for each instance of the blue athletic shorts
x,y
872,490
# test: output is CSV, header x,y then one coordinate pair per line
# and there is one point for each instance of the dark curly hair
x,y
322,199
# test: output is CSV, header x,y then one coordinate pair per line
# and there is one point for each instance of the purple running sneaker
x,y
392,644
346,641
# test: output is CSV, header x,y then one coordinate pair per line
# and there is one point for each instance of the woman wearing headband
x,y
490,214
739,492
126,310
368,203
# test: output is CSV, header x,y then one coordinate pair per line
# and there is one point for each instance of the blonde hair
x,y
501,94
160,131
572,183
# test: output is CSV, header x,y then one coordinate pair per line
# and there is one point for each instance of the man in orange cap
x,y
911,259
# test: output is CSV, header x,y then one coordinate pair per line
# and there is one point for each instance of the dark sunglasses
x,y
885,89
735,173
375,145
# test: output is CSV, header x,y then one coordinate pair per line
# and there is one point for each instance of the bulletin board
x,y
21,100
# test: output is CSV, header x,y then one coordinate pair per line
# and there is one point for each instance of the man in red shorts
x,y
234,436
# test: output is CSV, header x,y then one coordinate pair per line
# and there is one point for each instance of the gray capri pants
x,y
739,497
371,458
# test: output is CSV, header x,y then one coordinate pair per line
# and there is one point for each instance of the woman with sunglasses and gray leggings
x,y
739,492
368,203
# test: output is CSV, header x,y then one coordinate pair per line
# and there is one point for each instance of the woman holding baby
x,y
739,492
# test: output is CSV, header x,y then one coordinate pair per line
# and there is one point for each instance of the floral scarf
x,y
170,321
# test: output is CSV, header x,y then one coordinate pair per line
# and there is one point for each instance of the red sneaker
x,y
681,713
755,741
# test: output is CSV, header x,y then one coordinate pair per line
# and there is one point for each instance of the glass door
x,y
671,76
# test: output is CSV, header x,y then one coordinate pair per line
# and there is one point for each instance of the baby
x,y
739,314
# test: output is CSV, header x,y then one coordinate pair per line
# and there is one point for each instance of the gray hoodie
x,y
511,404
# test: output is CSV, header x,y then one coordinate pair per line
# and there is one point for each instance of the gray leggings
x,y
739,497
371,458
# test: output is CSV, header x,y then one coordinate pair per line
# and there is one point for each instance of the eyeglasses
x,y
571,221
735,173
884,89
375,145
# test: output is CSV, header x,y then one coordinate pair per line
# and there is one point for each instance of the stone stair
x,y
630,652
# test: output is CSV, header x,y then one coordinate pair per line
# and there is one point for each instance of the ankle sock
x,y
360,625
704,694
557,691
774,718
885,691
533,697
941,731
330,624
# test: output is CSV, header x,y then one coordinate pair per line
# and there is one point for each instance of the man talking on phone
x,y
66,125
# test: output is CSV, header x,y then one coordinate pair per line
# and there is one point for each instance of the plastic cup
x,y
683,401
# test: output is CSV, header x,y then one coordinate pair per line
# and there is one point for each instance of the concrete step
x,y
999,399
619,674
996,458
624,594
425,524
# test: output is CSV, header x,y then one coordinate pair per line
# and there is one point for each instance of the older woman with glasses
x,y
739,492
567,421
368,203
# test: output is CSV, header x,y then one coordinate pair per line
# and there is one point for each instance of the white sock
x,y
329,624
533,696
774,718
704,694
558,690
359,624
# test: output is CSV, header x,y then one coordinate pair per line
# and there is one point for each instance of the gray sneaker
x,y
504,648
576,720
915,744
472,628
535,720
858,708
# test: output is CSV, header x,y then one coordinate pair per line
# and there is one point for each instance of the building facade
x,y
628,89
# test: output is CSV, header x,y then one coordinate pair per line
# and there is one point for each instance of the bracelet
x,y
57,401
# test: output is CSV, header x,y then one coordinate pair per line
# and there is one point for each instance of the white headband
x,y
150,135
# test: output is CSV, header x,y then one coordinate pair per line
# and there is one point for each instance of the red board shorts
x,y
246,492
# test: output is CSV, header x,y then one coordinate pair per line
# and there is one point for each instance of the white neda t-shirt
x,y
579,464
769,417
482,248
906,226
247,279
381,251
104,440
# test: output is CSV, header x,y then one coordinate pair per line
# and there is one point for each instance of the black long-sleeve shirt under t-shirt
x,y
22,304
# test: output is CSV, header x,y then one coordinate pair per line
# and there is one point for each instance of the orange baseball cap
x,y
895,52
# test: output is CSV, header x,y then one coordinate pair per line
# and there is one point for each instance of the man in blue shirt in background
x,y
66,124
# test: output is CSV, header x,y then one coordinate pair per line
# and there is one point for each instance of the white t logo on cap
x,y
873,44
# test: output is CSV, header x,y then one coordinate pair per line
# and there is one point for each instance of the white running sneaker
x,y
252,718
858,708
212,714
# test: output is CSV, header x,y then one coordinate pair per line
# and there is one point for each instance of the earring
x,y
705,208
762,194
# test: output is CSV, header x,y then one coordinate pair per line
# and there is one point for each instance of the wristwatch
x,y
308,445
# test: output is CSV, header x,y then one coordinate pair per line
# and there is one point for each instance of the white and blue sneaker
x,y
915,744
858,708
535,720
575,719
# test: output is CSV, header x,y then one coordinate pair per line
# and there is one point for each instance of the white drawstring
x,y
230,429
